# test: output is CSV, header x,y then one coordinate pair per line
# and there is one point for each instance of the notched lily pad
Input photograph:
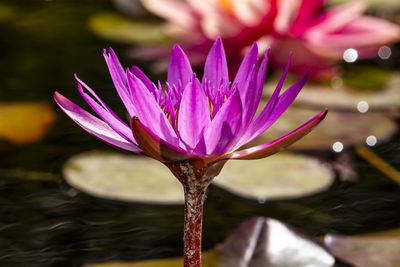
x,y
368,250
342,97
117,28
258,242
282,175
25,122
123,177
349,128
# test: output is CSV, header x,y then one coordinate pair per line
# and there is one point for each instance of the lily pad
x,y
380,4
25,122
258,242
117,28
342,97
280,176
368,250
348,128
123,177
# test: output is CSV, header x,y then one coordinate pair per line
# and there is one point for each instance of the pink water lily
x,y
318,36
193,126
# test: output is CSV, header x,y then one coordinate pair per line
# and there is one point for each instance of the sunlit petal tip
x,y
154,146
265,150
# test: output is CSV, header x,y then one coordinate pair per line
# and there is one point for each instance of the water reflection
x,y
337,147
384,52
362,106
371,140
350,55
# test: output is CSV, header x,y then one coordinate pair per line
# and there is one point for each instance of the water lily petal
x,y
265,150
94,125
194,113
179,70
220,134
173,10
155,147
119,78
146,81
216,68
259,122
248,62
105,112
264,121
149,112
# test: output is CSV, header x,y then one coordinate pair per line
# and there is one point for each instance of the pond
x,y
46,222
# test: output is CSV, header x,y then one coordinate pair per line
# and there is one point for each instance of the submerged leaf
x,y
266,242
368,250
280,176
117,28
123,177
349,128
25,122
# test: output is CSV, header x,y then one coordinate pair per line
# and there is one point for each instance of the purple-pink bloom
x,y
187,117
193,126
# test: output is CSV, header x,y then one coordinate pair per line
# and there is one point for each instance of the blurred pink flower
x,y
318,36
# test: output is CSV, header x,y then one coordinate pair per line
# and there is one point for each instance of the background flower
x,y
318,36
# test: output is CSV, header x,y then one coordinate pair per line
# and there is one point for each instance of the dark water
x,y
45,222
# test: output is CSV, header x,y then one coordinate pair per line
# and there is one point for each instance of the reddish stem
x,y
194,200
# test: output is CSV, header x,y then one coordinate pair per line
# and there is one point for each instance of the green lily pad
x,y
280,176
123,177
341,96
257,242
117,28
348,128
367,250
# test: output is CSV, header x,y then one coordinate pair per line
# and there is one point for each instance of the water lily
x,y
192,126
318,36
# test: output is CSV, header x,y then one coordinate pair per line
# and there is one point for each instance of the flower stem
x,y
194,200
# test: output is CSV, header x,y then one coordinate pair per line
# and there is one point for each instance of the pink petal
x,y
94,125
264,121
194,113
175,11
145,80
179,70
216,68
265,150
149,112
155,147
248,62
105,112
220,133
119,78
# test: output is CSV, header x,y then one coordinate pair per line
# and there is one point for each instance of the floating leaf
x,y
25,122
117,28
123,177
282,175
368,250
258,242
342,97
349,128
385,4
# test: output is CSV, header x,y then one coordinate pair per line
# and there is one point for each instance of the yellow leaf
x,y
25,122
